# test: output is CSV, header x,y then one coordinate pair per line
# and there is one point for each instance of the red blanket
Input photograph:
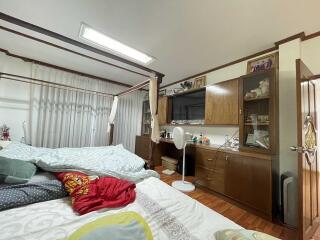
x,y
104,192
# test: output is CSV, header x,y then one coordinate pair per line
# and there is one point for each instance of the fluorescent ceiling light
x,y
102,40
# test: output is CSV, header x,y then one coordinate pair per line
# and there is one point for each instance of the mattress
x,y
169,213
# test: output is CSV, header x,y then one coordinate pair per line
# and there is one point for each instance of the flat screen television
x,y
189,106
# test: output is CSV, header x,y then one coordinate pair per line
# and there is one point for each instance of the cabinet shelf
x,y
257,124
254,108
256,99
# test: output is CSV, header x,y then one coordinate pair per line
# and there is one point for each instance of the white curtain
x,y
127,123
112,115
153,99
65,118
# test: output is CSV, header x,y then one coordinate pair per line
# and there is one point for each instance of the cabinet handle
x,y
209,179
227,157
209,159
240,111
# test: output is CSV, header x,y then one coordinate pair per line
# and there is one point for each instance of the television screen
x,y
189,106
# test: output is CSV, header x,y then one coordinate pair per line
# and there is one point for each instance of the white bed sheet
x,y
56,220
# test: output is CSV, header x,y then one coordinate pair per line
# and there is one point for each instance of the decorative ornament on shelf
x,y
4,131
259,92
186,85
200,82
263,63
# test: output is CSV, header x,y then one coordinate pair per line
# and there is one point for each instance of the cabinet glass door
x,y
146,118
256,110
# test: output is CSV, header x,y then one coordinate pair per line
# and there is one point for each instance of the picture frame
x,y
263,63
199,82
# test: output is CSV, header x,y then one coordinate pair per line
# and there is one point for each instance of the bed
x,y
169,213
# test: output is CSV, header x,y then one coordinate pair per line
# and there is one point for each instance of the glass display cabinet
x,y
258,112
146,119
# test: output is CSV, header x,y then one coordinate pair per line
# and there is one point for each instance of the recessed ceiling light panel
x,y
89,34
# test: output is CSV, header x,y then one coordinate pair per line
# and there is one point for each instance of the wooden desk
x,y
244,177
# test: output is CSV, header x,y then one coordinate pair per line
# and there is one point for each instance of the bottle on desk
x,y
200,138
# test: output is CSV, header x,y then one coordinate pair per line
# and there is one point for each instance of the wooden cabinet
x,y
142,148
259,112
222,103
163,112
248,180
210,169
146,119
244,179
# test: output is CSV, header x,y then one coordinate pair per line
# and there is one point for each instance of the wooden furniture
x,y
143,150
259,114
142,146
242,177
231,210
308,160
146,118
245,179
222,103
163,110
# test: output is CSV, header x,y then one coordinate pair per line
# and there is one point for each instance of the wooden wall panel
x,y
222,103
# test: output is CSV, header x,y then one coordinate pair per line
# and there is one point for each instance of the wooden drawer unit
x,y
245,179
205,158
210,169
211,179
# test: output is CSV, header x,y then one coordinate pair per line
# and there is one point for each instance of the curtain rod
x,y
73,42
40,82
134,88
26,59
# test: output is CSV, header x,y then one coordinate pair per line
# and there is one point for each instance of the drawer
x,y
205,157
210,159
212,179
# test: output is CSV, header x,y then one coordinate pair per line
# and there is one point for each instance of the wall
x,y
310,54
288,53
14,96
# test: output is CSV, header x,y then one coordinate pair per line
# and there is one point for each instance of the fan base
x,y
183,186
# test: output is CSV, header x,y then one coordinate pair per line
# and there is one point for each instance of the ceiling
x,y
185,36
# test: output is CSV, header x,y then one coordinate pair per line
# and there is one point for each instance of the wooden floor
x,y
236,214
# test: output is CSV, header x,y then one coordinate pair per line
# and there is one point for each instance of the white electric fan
x,y
179,139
